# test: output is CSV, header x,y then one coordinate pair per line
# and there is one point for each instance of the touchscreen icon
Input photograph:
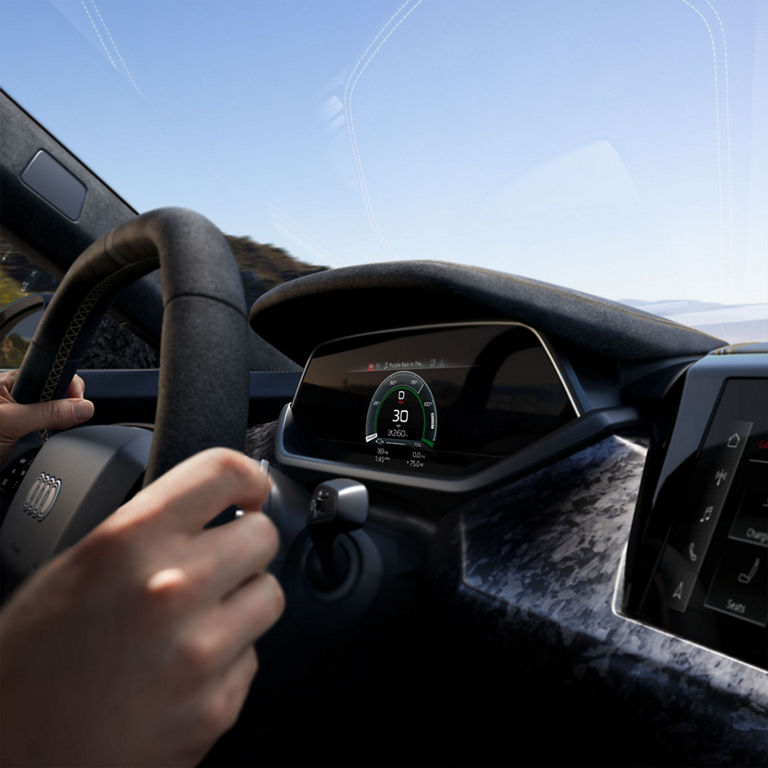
x,y
691,553
706,515
746,578
720,476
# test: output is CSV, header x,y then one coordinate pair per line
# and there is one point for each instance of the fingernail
x,y
83,410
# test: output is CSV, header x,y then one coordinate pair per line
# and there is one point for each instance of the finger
x,y
251,610
240,550
7,380
193,492
20,420
76,387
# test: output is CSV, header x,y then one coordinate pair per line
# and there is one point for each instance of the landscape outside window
x,y
614,148
261,267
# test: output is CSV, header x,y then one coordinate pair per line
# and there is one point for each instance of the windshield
x,y
617,148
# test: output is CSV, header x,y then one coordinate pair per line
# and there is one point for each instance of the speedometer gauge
x,y
402,412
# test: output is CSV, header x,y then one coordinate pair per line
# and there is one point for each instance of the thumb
x,y
20,420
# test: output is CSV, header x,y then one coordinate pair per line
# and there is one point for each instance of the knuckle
x,y
166,589
276,596
265,534
198,654
58,413
236,465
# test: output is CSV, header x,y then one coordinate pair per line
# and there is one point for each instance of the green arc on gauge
x,y
421,405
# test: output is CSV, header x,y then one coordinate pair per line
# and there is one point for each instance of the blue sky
x,y
613,146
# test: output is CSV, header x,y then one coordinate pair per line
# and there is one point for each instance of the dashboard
x,y
552,453
442,403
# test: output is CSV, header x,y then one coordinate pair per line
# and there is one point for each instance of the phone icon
x,y
691,553
746,578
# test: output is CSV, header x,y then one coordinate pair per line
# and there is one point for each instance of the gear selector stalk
x,y
337,507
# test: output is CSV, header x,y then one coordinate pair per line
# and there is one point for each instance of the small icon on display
x,y
692,553
706,515
720,476
734,440
746,578
678,593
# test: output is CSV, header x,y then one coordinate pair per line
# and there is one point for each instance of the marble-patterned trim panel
x,y
541,559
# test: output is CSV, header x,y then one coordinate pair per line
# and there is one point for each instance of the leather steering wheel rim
x,y
203,380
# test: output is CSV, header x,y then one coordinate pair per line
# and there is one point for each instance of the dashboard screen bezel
x,y
294,445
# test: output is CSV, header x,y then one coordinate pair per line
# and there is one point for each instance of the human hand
x,y
135,646
17,420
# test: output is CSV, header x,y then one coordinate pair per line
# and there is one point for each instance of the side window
x,y
21,277
21,305
14,344
25,290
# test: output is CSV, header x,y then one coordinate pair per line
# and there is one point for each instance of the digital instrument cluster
x,y
436,400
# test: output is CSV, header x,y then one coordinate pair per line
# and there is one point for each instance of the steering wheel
x,y
202,402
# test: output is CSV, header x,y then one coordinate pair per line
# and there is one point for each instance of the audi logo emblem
x,y
42,496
